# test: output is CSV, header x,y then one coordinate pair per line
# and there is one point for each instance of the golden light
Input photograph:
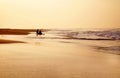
x,y
59,13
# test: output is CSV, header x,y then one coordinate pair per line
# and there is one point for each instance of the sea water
x,y
60,54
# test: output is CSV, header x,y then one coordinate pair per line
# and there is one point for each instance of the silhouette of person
x,y
38,32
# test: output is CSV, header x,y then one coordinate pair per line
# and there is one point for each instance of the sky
x,y
59,13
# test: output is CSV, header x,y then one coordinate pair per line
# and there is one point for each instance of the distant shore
x,y
19,31
16,32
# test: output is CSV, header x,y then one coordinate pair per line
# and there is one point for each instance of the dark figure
x,y
38,32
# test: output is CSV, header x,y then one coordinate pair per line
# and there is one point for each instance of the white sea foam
x,y
112,34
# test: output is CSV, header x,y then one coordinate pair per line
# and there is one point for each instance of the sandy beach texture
x,y
45,57
2,41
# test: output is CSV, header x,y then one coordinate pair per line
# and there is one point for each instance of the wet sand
x,y
3,41
58,58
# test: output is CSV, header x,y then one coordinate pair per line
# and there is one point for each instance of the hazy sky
x,y
60,13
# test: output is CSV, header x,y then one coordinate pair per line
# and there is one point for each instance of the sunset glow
x,y
59,13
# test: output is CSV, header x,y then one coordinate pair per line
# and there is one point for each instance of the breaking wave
x,y
112,34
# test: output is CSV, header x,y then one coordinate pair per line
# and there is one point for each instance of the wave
x,y
112,34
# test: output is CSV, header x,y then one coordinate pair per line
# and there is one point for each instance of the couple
x,y
39,32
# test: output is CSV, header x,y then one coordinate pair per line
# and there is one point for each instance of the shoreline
x,y
52,56
8,31
19,31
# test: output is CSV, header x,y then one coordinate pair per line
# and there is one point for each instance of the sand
x,y
56,58
3,41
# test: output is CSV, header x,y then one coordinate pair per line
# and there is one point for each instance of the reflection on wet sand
x,y
110,49
58,58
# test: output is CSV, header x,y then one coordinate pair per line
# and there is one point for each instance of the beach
x,y
26,55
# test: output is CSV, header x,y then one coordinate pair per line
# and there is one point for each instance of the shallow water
x,y
52,56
